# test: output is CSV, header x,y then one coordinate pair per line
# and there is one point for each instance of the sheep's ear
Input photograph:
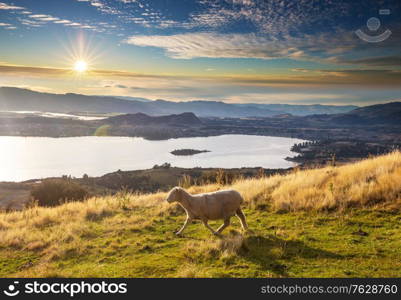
x,y
180,194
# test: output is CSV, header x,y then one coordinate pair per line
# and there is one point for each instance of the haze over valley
x,y
15,99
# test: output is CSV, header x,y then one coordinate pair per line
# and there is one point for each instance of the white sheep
x,y
209,206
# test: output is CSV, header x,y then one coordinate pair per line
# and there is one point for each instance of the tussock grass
x,y
69,240
226,247
371,182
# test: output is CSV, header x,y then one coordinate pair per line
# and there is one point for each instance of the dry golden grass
x,y
57,231
223,248
370,182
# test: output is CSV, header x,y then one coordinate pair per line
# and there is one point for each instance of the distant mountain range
x,y
370,123
380,114
303,110
16,99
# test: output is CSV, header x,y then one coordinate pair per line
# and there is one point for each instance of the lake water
x,y
55,115
23,158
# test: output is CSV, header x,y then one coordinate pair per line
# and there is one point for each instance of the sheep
x,y
209,206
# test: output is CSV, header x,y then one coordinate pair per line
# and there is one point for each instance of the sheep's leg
x,y
241,217
225,224
184,226
208,226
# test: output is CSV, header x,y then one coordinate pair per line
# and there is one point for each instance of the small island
x,y
187,152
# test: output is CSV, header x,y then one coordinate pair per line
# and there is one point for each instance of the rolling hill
x,y
389,113
140,119
330,222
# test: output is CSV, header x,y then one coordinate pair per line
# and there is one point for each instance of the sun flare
x,y
80,66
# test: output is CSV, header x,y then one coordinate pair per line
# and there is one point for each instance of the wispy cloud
x,y
321,86
28,18
214,45
299,30
31,71
44,18
39,20
271,17
391,60
102,6
4,6
7,26
191,45
30,23
62,21
366,77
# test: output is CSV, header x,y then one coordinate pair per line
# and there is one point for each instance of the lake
x,y
24,158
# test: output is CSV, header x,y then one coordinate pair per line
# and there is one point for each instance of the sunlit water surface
x,y
23,158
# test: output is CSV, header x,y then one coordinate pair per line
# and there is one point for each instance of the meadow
x,y
336,221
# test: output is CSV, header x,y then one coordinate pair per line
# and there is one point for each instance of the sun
x,y
80,66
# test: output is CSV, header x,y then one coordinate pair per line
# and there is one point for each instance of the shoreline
x,y
14,195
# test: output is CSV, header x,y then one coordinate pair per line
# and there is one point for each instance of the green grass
x,y
355,244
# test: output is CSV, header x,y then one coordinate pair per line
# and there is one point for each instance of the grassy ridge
x,y
336,221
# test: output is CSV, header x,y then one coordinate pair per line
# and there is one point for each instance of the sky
x,y
236,51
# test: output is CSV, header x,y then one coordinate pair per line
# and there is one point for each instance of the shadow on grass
x,y
269,252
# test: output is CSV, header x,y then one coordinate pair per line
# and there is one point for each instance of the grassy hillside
x,y
331,222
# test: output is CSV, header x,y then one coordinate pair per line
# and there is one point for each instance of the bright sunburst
x,y
80,56
80,66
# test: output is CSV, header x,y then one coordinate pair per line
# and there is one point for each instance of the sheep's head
x,y
174,195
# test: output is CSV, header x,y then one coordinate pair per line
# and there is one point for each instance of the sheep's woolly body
x,y
209,206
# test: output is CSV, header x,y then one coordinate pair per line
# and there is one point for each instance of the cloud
x,y
298,30
38,16
62,21
191,45
44,18
31,23
4,6
97,4
394,60
33,71
215,45
102,7
271,17
31,19
74,24
7,26
319,86
301,77
39,20
368,77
